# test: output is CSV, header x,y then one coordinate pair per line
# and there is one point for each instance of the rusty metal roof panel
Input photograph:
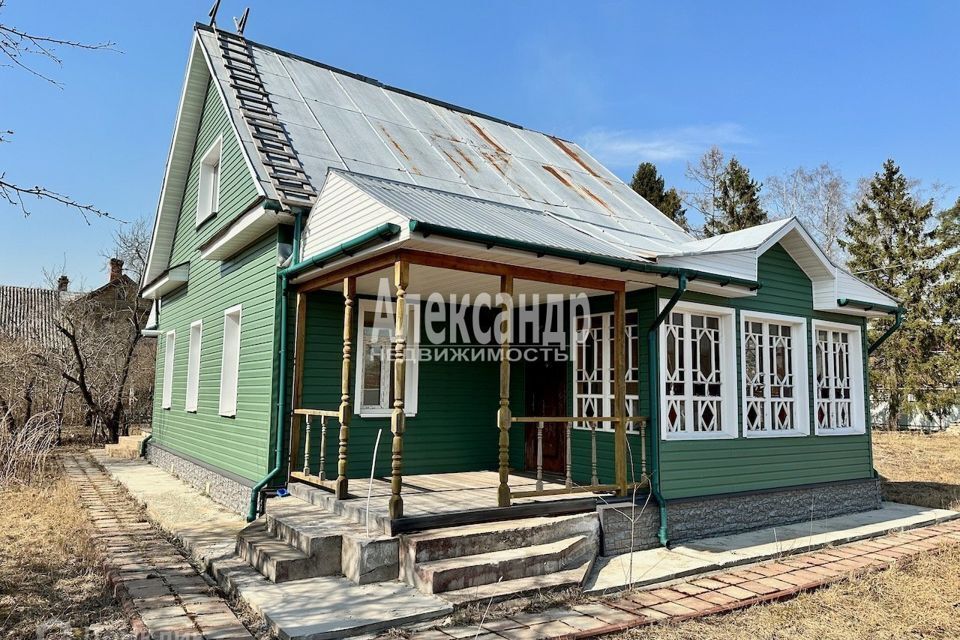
x,y
338,119
474,215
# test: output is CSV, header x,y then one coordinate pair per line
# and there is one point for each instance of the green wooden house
x,y
725,378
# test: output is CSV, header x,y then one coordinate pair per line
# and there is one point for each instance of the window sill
x,y
210,216
366,413
841,432
228,415
693,437
792,433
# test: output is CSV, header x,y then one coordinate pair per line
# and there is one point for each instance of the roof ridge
x,y
383,85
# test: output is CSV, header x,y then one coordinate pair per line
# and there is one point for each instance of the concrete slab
x,y
312,609
643,568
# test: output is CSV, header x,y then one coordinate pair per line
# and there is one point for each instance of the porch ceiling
x,y
425,280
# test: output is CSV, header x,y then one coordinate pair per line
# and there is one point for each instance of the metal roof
x,y
476,216
337,119
30,314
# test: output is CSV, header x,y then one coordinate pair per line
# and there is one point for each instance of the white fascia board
x,y
243,232
173,279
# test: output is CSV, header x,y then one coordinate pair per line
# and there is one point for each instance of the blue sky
x,y
777,84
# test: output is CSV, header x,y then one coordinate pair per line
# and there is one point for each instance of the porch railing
x,y
305,424
567,423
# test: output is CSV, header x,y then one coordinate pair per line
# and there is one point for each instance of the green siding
x,y
455,428
705,467
240,445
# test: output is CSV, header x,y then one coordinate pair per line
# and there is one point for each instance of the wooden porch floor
x,y
454,498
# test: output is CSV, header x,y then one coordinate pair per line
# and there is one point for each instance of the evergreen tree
x,y
891,243
737,203
650,184
945,303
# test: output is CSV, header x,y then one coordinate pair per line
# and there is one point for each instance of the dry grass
x,y
919,469
917,599
49,565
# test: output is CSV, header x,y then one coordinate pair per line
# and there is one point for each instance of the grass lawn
x,y
917,599
49,566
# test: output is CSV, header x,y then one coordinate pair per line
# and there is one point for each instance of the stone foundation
x,y
230,490
626,527
624,530
689,519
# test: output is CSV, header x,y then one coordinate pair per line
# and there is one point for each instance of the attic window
x,y
208,189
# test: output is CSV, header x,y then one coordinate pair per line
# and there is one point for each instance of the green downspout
x,y
652,359
378,234
282,382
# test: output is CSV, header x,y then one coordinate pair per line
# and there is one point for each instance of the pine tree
x,y
891,244
737,203
650,184
945,303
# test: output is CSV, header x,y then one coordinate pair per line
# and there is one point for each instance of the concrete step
x,y
318,533
122,451
461,572
278,561
507,589
452,542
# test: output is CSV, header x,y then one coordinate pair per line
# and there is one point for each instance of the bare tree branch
x,y
14,195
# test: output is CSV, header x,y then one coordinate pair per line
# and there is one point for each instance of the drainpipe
x,y
282,365
655,402
889,332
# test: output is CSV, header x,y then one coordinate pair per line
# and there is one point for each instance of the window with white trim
x,y
774,358
697,372
208,185
376,329
230,363
838,358
169,345
592,350
193,366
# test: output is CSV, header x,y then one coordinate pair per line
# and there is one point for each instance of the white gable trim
x,y
180,158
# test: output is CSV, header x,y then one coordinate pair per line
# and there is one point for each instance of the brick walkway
x,y
716,593
160,591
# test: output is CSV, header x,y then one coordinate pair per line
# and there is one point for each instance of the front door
x,y
546,395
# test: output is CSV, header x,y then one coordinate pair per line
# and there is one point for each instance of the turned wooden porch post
x,y
300,331
349,298
401,275
620,387
503,413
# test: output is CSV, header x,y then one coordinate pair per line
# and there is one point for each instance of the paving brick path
x,y
160,591
716,593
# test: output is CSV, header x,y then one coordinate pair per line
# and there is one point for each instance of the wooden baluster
x,y
593,454
569,482
306,446
349,293
323,447
503,412
398,418
540,456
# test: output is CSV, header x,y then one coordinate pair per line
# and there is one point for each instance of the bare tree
x,y
820,198
24,50
707,174
131,243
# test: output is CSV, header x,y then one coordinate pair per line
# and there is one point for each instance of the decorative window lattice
x,y
593,368
694,373
769,380
834,389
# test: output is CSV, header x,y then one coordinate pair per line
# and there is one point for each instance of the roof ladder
x,y
271,139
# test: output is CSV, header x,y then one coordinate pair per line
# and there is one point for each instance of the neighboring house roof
x,y
30,314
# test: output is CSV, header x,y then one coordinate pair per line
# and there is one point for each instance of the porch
x,y
531,454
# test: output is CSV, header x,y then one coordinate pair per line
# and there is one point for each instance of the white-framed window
x,y
592,349
169,346
773,354
698,380
193,366
208,187
838,362
230,365
374,376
